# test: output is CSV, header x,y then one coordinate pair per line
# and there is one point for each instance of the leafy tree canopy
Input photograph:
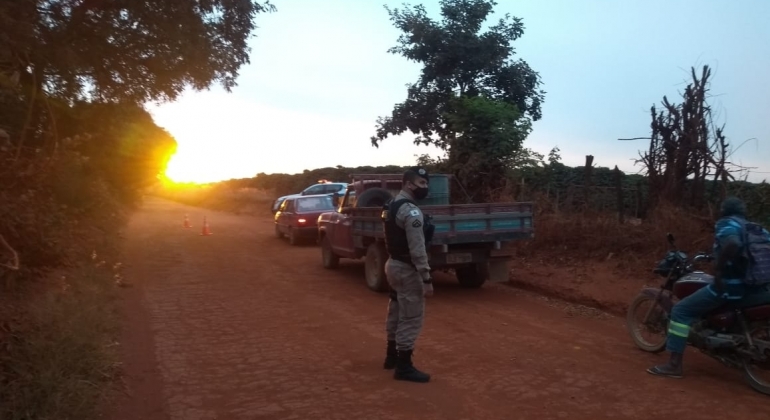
x,y
126,147
472,99
488,143
125,50
458,60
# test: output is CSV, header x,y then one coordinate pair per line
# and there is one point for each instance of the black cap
x,y
419,171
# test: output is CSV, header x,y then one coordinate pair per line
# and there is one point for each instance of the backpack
x,y
756,251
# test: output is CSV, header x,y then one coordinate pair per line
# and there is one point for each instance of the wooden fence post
x,y
556,207
587,182
619,192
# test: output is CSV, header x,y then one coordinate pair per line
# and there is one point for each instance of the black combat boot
x,y
391,355
672,369
405,371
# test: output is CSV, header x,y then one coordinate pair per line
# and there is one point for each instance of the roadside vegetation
x,y
77,150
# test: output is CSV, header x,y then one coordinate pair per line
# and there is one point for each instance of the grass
x,y
59,361
580,237
249,201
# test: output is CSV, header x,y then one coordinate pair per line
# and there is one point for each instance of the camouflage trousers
x,y
406,308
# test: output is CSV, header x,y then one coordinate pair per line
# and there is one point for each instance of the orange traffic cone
x,y
187,222
205,231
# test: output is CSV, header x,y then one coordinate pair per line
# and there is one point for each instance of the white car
x,y
326,187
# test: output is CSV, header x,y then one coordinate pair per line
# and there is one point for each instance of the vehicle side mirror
x,y
336,200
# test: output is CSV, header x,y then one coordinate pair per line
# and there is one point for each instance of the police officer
x,y
408,273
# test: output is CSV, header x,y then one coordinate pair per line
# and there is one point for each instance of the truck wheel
x,y
374,197
327,254
293,240
278,233
471,276
374,267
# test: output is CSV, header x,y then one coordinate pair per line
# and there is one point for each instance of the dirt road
x,y
240,325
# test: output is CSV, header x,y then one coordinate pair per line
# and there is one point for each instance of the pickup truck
x,y
470,239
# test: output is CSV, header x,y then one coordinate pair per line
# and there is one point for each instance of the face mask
x,y
420,192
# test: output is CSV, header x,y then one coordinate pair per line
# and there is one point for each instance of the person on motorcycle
x,y
728,285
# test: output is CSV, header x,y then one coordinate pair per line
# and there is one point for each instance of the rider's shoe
x,y
672,369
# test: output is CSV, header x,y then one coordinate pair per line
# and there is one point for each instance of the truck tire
x,y
329,259
374,267
471,276
374,197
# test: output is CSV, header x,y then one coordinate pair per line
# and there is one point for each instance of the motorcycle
x,y
736,334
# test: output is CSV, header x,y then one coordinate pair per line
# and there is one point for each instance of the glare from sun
x,y
186,168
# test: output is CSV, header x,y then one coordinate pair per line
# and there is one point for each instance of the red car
x,y
297,217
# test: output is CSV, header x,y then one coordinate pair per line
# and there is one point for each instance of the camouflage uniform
x,y
406,308
406,312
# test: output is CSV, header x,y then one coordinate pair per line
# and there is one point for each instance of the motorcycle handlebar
x,y
703,256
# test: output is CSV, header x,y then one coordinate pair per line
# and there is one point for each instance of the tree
x,y
138,50
488,139
686,147
472,99
55,53
130,149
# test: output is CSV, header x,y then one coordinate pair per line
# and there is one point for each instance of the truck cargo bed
x,y
460,223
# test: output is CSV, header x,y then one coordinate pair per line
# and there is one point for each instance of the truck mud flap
x,y
499,271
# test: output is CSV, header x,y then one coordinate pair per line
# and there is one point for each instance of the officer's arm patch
x,y
417,223
414,212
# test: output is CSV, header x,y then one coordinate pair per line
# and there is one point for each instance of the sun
x,y
193,168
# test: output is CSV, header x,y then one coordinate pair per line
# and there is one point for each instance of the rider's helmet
x,y
733,206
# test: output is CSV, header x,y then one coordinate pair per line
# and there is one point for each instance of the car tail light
x,y
302,221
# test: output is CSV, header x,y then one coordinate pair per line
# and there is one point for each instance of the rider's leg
x,y
683,315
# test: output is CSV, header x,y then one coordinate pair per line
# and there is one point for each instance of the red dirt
x,y
240,325
597,284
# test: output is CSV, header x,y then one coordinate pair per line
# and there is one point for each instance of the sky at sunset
x,y
320,76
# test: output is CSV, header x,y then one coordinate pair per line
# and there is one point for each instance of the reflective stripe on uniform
x,y
680,330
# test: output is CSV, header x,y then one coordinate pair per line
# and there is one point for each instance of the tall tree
x,y
138,50
686,147
460,63
487,144
56,53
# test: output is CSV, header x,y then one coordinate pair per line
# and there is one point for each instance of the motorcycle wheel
x,y
758,374
657,324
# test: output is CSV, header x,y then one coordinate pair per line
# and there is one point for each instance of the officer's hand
x,y
427,289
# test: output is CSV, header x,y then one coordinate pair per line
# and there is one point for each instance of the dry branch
x,y
685,145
